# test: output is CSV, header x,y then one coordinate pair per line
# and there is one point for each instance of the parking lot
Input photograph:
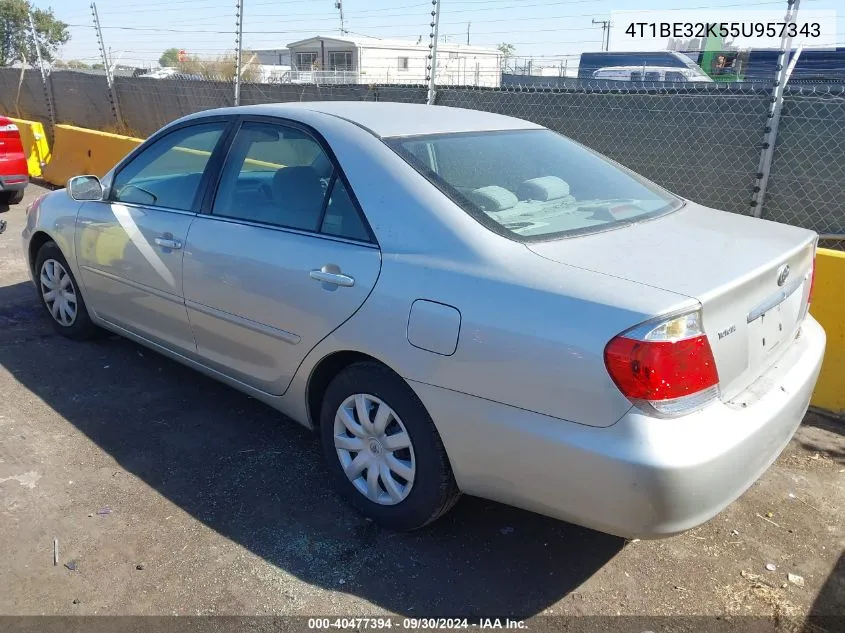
x,y
169,493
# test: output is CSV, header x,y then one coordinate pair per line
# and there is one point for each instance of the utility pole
x,y
432,55
605,33
469,24
115,105
785,68
339,6
47,96
239,36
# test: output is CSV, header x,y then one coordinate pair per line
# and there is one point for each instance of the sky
x,y
137,32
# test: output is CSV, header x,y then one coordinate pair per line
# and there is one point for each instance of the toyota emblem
x,y
783,273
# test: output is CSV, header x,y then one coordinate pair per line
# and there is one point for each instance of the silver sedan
x,y
456,302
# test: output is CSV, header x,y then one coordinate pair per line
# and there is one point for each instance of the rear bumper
x,y
642,477
14,182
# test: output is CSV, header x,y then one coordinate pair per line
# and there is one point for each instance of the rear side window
x,y
533,184
168,172
341,217
280,175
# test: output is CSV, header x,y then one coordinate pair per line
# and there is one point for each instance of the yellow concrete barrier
x,y
78,151
35,146
829,309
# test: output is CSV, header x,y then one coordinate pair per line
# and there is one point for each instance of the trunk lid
x,y
752,278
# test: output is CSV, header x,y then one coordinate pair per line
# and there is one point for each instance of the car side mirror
x,y
82,188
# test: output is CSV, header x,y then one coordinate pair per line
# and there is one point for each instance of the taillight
x,y
666,366
10,134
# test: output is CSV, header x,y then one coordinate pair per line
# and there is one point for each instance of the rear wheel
x,y
383,452
60,294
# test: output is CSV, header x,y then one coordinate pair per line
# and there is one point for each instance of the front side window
x,y
281,176
168,172
533,184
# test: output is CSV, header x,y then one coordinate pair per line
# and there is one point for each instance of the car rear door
x,y
130,246
282,257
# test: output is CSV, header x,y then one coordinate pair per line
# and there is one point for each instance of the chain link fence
x,y
701,141
807,182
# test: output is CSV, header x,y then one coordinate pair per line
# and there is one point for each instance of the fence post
x,y
239,35
784,69
432,55
115,105
47,96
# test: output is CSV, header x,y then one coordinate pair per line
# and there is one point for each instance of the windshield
x,y
533,184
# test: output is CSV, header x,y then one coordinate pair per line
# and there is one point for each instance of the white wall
x,y
381,65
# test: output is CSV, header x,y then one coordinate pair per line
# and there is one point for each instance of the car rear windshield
x,y
533,185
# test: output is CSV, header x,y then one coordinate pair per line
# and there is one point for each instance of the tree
x,y
507,51
170,57
16,44
75,64
223,68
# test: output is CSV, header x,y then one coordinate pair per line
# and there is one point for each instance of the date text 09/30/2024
x,y
414,623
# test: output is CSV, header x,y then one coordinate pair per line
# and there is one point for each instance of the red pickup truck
x,y
14,174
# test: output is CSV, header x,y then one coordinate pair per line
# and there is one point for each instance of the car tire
x,y
66,307
391,502
11,197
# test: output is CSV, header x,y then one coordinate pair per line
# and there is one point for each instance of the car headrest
x,y
493,198
298,190
543,189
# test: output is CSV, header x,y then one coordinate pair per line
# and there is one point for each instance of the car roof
x,y
386,119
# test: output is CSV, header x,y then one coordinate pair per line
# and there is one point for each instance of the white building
x,y
371,60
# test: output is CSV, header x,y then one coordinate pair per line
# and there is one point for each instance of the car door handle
x,y
336,279
168,242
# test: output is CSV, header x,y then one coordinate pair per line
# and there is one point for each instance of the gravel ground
x,y
171,494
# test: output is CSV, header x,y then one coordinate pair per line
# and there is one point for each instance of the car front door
x,y
130,246
282,259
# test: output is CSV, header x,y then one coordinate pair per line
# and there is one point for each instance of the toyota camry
x,y
455,301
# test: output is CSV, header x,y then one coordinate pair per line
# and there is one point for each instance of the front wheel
x,y
383,452
60,294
